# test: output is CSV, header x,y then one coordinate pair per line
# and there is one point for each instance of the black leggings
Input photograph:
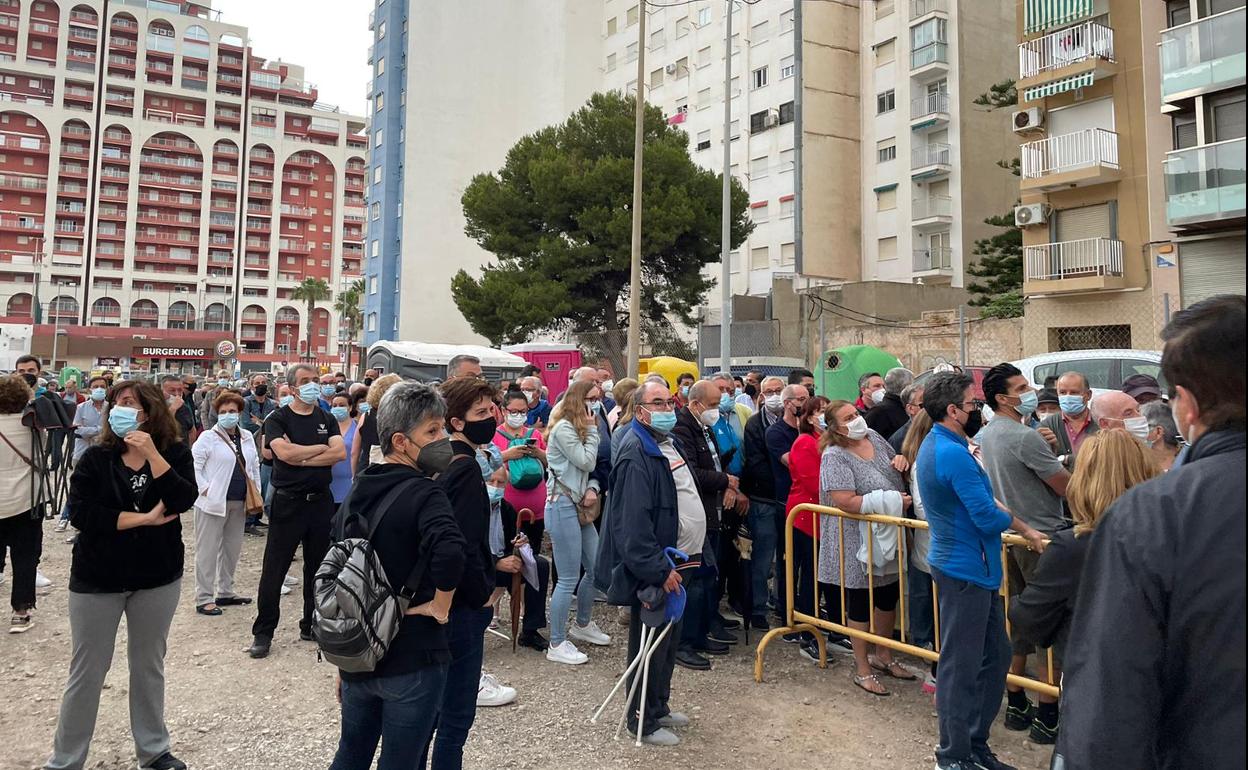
x,y
858,600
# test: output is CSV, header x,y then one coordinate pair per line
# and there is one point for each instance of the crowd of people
x,y
1130,504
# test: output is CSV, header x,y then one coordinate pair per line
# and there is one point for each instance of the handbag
x,y
254,503
586,513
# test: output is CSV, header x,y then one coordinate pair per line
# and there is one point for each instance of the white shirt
x,y
214,467
691,535
15,492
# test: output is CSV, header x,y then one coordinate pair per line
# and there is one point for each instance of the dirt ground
x,y
228,712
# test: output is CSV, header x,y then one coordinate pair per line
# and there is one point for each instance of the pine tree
x,y
998,259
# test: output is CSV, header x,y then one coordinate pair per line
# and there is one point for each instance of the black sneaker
x,y
691,660
728,623
722,636
988,761
809,650
260,647
306,635
840,644
792,638
1018,718
1044,734
252,530
760,622
712,647
533,640
961,764
165,761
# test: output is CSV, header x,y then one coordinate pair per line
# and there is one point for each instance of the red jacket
x,y
804,468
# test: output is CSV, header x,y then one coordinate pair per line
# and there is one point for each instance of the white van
x,y
1105,369
427,361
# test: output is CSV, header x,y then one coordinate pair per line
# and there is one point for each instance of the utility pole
x,y
962,336
634,286
725,273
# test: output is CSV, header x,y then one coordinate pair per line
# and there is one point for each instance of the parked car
x,y
977,373
1105,369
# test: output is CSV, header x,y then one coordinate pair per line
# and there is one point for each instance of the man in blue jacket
x,y
654,504
966,524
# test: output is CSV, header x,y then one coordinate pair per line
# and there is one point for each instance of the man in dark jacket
x,y
654,505
912,397
759,484
890,414
702,633
1155,670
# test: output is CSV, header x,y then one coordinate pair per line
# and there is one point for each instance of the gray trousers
x,y
93,621
218,542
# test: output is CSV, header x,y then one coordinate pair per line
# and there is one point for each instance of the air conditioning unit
x,y
670,69
1031,214
1028,120
773,118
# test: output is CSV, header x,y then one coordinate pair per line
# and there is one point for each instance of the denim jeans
x,y
919,596
761,521
466,637
574,546
397,710
266,472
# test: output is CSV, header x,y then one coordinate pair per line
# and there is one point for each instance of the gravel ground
x,y
228,712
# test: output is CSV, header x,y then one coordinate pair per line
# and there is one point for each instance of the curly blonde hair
x,y
1110,462
379,388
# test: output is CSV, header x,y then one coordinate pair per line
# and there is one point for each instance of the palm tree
x,y
350,317
312,290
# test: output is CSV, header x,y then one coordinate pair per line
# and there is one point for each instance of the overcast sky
x,y
330,38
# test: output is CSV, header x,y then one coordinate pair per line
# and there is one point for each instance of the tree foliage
x,y
998,259
557,216
311,291
350,315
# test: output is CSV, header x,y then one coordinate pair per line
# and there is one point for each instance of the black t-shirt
x,y
139,482
303,430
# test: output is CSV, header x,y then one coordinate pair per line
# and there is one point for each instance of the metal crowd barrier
x,y
800,621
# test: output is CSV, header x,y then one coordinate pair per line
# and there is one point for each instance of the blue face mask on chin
x,y
663,422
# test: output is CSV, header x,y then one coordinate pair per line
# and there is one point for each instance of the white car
x,y
1105,369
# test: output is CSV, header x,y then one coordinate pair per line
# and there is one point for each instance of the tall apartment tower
x,y
163,189
804,134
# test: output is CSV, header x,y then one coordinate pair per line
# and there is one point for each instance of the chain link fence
x,y
610,346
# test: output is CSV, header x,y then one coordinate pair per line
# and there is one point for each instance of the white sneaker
x,y
41,581
61,525
290,580
590,633
661,737
491,693
285,590
566,653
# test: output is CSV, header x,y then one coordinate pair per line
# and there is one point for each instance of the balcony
x,y
1085,49
1089,264
922,8
937,260
1203,56
933,159
1078,159
1205,185
933,57
929,111
933,210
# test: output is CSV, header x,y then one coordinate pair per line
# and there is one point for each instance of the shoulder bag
x,y
254,503
586,513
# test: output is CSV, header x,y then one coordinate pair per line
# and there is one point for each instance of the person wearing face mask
x,y
367,445
889,413
328,389
305,443
126,499
1065,432
1166,567
622,394
870,392
539,408
912,397
965,522
1164,442
88,419
259,405
419,546
226,461
758,483
21,514
1116,410
1029,479
684,381
804,471
340,409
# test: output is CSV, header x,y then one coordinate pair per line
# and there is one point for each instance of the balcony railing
x,y
924,7
931,154
1068,152
934,206
929,54
1072,45
935,258
1073,259
929,104
1204,55
1205,184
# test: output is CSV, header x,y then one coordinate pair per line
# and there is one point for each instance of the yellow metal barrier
x,y
799,621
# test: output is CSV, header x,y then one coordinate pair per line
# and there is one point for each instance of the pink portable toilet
x,y
556,361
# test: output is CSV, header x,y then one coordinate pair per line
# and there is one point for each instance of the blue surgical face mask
x,y
725,402
223,383
229,420
123,420
309,393
328,391
1027,403
1072,405
663,422
496,493
99,394
364,407
286,400
340,413
684,391
595,407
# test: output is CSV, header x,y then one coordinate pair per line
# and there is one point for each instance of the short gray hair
x,y
792,391
907,395
864,379
454,363
639,395
1159,413
763,383
725,376
171,378
591,371
292,373
897,380
404,407
659,379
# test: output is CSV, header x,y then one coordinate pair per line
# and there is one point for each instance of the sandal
x,y
208,609
892,669
860,681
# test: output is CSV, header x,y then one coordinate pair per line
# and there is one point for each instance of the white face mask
x,y
774,403
516,420
1137,426
878,396
709,417
856,428
531,395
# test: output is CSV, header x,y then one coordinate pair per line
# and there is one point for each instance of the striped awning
x,y
1039,15
1058,86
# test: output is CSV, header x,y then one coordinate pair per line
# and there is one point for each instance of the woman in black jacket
x,y
126,495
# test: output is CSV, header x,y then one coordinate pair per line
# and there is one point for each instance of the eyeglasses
x,y
976,404
518,412
663,406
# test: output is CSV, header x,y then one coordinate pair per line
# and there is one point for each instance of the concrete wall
x,y
936,340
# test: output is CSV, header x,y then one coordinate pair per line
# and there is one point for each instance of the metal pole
x,y
962,336
725,279
634,286
52,363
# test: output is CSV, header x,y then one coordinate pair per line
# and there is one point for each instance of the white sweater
x,y
214,467
15,492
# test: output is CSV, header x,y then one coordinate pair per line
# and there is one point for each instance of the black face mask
x,y
261,390
190,388
974,421
368,380
31,380
480,432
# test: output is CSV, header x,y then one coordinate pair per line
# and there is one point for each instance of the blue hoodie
x,y
964,519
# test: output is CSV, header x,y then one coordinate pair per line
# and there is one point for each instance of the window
x,y
704,16
611,26
884,8
631,16
682,67
734,130
631,52
788,254
886,200
372,322
758,33
656,78
704,140
657,39
374,247
887,248
1228,117
886,150
786,212
758,122
786,161
787,68
786,21
381,65
760,258
1085,337
611,62
759,167
760,212
1185,133
375,211
377,175
885,102
734,261
886,52
381,102
928,33
372,284
682,27
1178,12
381,30
786,113
704,57
377,136
704,98
758,78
